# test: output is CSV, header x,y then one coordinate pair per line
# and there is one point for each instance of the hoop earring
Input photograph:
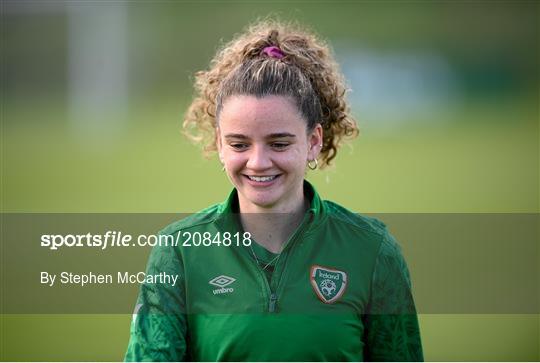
x,y
313,167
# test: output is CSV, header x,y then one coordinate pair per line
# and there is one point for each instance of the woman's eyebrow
x,y
235,136
278,135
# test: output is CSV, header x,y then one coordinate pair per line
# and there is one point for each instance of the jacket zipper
x,y
273,295
272,303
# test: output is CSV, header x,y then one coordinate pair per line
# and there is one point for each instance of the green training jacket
x,y
339,291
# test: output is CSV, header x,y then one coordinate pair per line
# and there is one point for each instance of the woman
x,y
275,273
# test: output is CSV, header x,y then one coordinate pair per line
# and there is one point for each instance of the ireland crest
x,y
329,284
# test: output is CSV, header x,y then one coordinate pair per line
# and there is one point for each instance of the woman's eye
x,y
238,146
279,145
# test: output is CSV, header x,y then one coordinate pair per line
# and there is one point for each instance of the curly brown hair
x,y
307,73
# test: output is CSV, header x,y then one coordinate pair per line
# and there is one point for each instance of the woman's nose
x,y
259,158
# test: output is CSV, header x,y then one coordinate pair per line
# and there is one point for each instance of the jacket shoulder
x,y
205,216
388,248
363,222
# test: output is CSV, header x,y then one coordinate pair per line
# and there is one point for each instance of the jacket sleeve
x,y
158,327
391,325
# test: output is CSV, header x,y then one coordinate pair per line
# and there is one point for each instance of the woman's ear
x,y
315,140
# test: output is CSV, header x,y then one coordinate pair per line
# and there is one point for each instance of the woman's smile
x,y
262,181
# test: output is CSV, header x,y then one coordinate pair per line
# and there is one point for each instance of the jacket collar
x,y
229,209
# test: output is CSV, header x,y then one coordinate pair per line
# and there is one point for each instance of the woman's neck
x,y
272,229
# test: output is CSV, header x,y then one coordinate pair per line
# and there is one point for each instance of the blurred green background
x,y
93,93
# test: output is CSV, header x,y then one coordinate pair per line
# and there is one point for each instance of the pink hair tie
x,y
273,52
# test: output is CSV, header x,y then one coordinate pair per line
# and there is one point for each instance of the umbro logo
x,y
222,281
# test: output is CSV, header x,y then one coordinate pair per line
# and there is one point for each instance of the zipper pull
x,y
272,304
